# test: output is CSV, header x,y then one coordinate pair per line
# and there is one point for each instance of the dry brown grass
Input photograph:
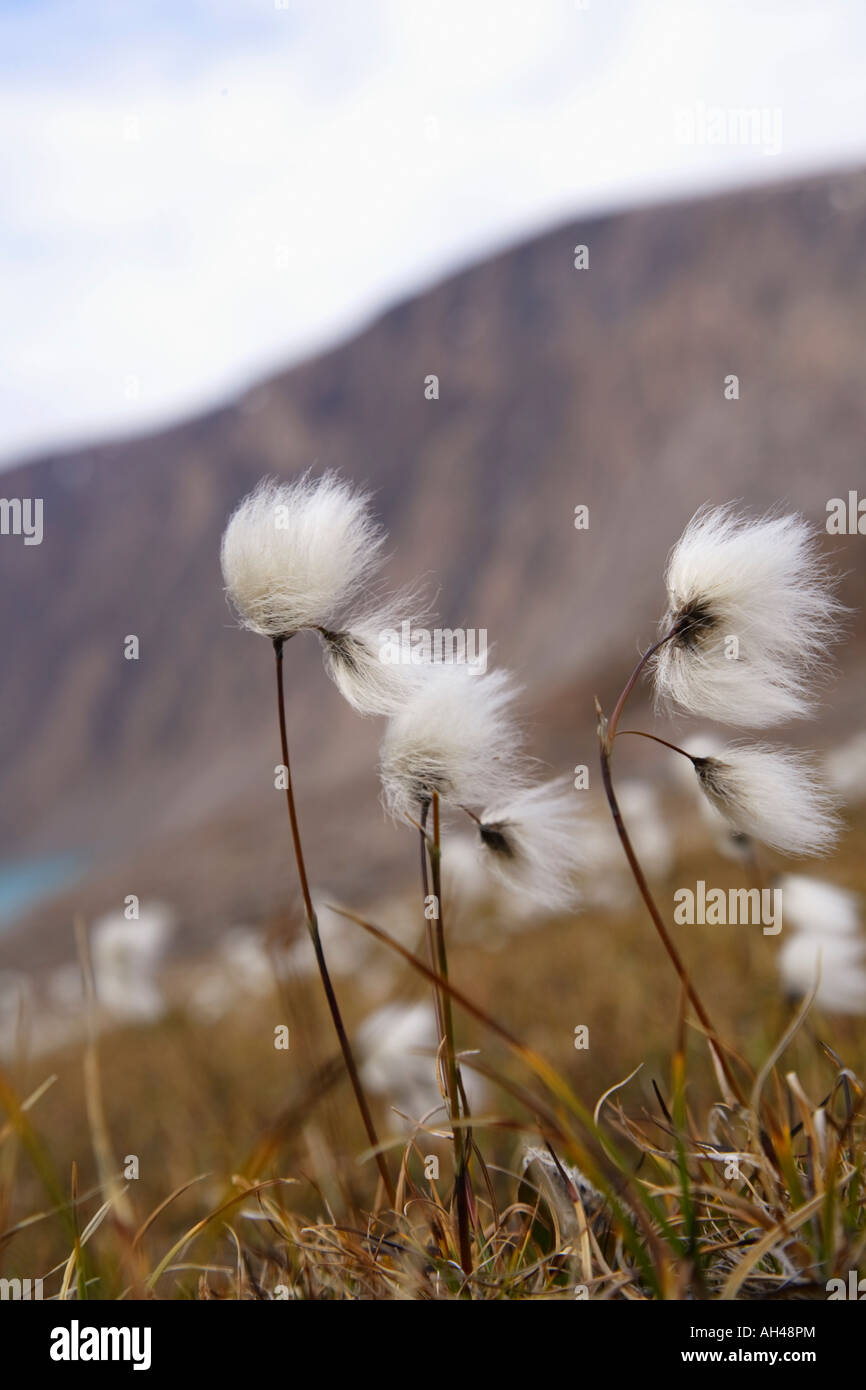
x,y
250,1186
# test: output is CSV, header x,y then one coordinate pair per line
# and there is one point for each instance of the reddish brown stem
x,y
674,747
607,734
462,1189
313,928
425,892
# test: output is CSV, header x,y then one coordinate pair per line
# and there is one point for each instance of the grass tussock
x,y
647,1196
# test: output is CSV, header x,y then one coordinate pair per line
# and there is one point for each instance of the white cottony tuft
x,y
295,554
647,826
825,948
126,956
820,908
730,843
533,843
240,969
398,1047
456,735
561,1184
845,769
371,672
466,877
346,945
836,964
752,605
771,794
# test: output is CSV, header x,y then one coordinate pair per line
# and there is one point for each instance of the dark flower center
x,y
711,774
494,837
344,648
691,622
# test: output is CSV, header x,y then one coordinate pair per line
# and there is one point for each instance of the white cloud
x,y
183,210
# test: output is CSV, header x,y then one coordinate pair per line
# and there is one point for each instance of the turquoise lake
x,y
23,882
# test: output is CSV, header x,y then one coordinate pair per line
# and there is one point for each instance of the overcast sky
x,y
196,192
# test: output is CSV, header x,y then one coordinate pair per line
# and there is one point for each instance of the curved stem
x,y
631,682
607,734
662,930
639,733
313,928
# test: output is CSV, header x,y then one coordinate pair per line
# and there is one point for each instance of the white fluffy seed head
x,y
560,1183
126,956
455,735
295,554
345,944
372,672
647,825
730,843
836,964
845,769
398,1046
771,794
763,583
533,844
819,908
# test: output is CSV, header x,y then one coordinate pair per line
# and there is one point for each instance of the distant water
x,y
23,882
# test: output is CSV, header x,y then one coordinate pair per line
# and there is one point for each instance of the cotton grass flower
x,y
813,906
760,581
467,880
126,957
375,674
346,945
299,555
241,969
398,1046
730,843
562,1185
533,843
294,554
390,1041
835,964
640,805
456,736
771,794
825,948
845,769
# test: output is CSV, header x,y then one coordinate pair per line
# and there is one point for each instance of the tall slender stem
x,y
313,928
431,940
607,734
452,1071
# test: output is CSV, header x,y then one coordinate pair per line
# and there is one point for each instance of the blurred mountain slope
x,y
557,387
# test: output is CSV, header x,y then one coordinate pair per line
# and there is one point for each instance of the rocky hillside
x,y
557,387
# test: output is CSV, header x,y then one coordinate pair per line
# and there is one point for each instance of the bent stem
x,y
461,1148
607,734
674,747
313,928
